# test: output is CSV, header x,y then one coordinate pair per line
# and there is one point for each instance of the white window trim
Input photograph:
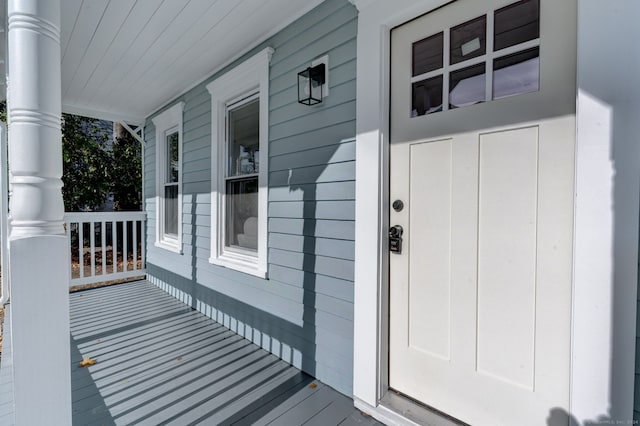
x,y
169,120
251,76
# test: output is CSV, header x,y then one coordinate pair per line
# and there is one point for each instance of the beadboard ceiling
x,y
124,59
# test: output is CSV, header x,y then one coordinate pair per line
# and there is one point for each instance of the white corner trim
x,y
169,119
249,77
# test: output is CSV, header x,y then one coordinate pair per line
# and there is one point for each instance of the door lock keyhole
x,y
395,239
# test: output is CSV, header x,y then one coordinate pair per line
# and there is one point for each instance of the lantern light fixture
x,y
311,84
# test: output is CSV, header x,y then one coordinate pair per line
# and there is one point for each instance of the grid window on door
x,y
241,177
489,57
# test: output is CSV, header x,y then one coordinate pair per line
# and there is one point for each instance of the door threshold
x,y
398,409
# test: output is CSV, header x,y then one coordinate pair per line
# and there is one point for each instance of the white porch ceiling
x,y
124,59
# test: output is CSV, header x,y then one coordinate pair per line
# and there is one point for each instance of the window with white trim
x,y
169,178
239,132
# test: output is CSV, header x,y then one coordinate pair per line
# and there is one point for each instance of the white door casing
x,y
480,297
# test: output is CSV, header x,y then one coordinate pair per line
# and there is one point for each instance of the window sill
x,y
241,263
168,246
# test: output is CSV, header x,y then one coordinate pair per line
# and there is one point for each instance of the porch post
x,y
39,255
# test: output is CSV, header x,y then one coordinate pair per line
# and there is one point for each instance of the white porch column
x,y
39,254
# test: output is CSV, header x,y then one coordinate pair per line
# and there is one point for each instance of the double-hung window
x,y
239,130
168,178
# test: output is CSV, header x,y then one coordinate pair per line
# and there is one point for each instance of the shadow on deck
x,y
161,362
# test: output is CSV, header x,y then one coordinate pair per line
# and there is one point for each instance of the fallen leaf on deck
x,y
87,361
179,358
313,385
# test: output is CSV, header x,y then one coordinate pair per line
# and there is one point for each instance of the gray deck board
x,y
160,362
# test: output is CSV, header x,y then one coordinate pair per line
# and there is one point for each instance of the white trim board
x,y
249,77
602,375
169,120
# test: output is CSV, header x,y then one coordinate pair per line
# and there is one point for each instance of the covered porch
x,y
158,361
122,62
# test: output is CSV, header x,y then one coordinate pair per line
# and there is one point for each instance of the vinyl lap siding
x,y
304,311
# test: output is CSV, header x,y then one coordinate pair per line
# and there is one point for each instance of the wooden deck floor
x,y
160,362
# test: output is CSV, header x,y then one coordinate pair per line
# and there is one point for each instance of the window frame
x,y
248,79
167,123
488,58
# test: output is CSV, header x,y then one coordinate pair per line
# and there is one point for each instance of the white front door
x,y
482,158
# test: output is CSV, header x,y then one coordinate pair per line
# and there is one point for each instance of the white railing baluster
x,y
92,247
68,229
125,250
97,221
81,247
134,228
114,247
143,255
103,245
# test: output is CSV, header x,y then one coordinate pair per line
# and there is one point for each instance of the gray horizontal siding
x,y
305,307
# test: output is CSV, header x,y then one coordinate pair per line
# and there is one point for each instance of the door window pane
x,y
516,23
172,158
242,213
427,54
468,40
516,74
244,139
467,86
171,210
427,96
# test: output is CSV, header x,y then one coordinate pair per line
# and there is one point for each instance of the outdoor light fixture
x,y
310,84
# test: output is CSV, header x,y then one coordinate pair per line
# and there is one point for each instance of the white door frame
x,y
605,265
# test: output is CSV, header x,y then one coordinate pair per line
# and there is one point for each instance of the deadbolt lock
x,y
395,239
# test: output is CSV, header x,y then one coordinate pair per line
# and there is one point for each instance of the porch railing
x,y
105,246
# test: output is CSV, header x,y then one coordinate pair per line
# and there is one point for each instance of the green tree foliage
x,y
94,166
126,173
86,163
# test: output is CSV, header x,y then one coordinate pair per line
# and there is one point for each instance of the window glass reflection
x,y
468,40
172,158
427,54
516,23
242,213
427,96
467,86
171,210
516,74
244,139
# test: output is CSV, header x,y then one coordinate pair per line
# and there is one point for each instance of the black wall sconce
x,y
310,83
